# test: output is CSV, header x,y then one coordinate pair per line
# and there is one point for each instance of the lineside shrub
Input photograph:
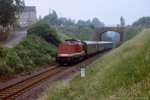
x,y
29,53
44,30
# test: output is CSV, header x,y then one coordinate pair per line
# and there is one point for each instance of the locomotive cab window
x,y
74,42
68,42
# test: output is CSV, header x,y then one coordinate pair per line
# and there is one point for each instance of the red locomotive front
x,y
70,51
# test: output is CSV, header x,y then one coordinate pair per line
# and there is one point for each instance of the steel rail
x,y
14,90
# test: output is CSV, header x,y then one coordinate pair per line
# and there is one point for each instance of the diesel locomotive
x,y
72,50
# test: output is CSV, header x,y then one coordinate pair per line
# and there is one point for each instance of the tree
x,y
88,22
144,22
8,9
68,22
40,18
92,26
97,23
122,21
81,23
52,18
44,30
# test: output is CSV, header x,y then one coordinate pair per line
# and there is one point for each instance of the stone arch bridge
x,y
99,31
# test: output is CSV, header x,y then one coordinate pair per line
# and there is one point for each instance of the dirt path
x,y
16,37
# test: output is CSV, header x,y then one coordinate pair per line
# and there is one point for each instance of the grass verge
x,y
122,73
29,53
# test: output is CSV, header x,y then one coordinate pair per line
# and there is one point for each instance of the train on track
x,y
72,50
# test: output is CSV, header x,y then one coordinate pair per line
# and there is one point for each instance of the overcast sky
x,y
108,11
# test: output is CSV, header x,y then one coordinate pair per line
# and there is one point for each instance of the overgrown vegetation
x,y
29,53
131,32
80,33
136,28
142,22
53,19
44,30
122,73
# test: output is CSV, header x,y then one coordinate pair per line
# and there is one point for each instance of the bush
x,y
143,22
45,31
33,51
29,53
80,33
131,32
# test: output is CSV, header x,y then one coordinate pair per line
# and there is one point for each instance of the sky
x,y
108,11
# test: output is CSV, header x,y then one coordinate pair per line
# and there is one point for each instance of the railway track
x,y
15,90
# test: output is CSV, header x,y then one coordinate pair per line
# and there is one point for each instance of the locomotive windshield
x,y
74,42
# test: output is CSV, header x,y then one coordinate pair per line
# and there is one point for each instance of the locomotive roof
x,y
72,40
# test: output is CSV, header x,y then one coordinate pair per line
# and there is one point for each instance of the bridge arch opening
x,y
111,36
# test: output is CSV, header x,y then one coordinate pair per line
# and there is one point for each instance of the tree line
x,y
54,20
143,22
8,9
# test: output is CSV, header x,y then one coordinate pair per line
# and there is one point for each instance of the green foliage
x,y
83,23
131,32
66,22
8,8
97,23
80,33
143,22
4,68
122,73
63,37
45,31
94,23
53,19
29,53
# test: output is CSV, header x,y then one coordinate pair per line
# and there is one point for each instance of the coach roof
x,y
97,42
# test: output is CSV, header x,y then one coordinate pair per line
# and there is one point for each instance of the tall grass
x,y
131,32
29,53
122,73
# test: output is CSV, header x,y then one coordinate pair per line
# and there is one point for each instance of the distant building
x,y
27,17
